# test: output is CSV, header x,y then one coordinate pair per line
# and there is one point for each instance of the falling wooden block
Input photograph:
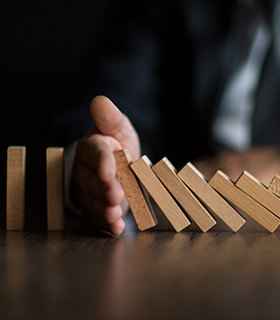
x,y
274,186
167,174
134,193
197,183
15,205
55,188
142,168
226,188
250,185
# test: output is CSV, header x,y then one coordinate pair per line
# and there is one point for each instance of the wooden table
x,y
80,274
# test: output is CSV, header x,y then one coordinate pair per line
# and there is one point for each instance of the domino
x,y
250,185
142,169
167,174
274,186
136,199
197,183
169,188
222,184
55,188
15,201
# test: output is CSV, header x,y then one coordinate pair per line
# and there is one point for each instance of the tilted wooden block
x,y
167,174
274,186
15,205
55,188
197,183
250,185
136,199
226,187
142,168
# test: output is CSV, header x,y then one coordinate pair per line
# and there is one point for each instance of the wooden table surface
x,y
80,274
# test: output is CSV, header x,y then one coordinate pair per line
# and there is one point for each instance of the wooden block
x,y
142,168
274,186
15,206
168,176
226,187
139,204
55,188
197,183
250,185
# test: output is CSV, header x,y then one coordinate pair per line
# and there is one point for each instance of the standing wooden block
x,y
226,187
250,185
142,168
139,206
55,188
167,174
197,183
274,186
15,206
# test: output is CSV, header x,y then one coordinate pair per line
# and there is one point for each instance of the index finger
x,y
96,152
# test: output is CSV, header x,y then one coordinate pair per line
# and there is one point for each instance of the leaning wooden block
x,y
55,188
167,174
142,168
274,186
15,205
136,199
226,187
250,185
197,183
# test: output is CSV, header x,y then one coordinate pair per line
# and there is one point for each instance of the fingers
x,y
96,152
97,193
99,208
88,180
116,227
98,196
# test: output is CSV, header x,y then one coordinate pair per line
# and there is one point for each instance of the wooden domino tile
x,y
197,183
15,202
142,168
226,187
55,188
274,186
167,174
136,199
250,185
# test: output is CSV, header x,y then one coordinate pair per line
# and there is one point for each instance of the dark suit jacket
x,y
164,63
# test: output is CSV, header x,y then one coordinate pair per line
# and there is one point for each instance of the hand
x,y
96,192
261,162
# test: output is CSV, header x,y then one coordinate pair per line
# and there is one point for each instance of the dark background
x,y
44,88
164,63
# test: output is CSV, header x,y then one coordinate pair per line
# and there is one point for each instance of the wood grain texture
x,y
250,185
197,183
139,275
142,168
55,188
226,187
274,186
168,176
136,199
15,202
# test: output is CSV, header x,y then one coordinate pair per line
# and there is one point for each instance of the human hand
x,y
261,162
97,193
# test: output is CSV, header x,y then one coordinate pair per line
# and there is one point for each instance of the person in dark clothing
x,y
198,81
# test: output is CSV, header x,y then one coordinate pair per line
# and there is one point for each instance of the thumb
x,y
110,121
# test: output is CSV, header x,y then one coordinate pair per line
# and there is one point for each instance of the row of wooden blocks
x,y
16,176
188,192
